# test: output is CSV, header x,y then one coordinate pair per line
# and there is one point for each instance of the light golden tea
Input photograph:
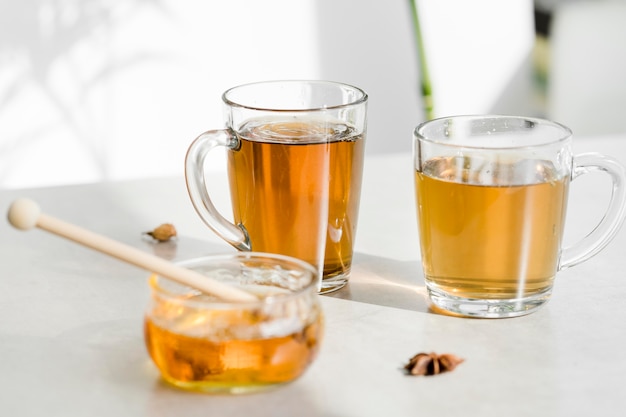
x,y
490,230
291,184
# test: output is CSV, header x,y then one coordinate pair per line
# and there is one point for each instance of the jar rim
x,y
187,295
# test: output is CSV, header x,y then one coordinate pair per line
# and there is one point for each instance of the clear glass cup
x,y
295,153
491,204
204,344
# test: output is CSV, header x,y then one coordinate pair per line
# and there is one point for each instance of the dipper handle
x,y
25,214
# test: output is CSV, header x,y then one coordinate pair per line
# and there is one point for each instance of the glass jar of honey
x,y
202,343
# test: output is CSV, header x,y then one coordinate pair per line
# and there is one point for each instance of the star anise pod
x,y
163,233
431,364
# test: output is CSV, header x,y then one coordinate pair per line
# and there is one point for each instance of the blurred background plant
x,y
424,81
474,57
559,59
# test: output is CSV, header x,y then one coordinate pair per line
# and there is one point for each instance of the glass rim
x,y
238,257
362,96
566,132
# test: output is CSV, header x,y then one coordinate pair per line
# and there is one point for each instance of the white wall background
x,y
98,89
587,88
94,90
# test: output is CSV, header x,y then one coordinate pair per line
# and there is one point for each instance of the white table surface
x,y
71,341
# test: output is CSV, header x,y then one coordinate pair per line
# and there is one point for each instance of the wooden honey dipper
x,y
25,214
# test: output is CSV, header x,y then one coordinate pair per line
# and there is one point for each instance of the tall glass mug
x,y
491,202
295,161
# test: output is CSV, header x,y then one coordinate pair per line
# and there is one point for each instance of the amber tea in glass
x,y
290,183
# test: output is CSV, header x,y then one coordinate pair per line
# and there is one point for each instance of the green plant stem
x,y
423,66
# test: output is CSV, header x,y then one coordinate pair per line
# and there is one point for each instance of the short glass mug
x,y
491,196
201,343
295,161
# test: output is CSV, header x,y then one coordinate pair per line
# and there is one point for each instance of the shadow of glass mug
x,y
491,195
295,154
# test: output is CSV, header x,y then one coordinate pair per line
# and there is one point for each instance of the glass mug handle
x,y
237,236
610,224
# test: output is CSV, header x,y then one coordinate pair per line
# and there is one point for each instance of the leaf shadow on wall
x,y
54,57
